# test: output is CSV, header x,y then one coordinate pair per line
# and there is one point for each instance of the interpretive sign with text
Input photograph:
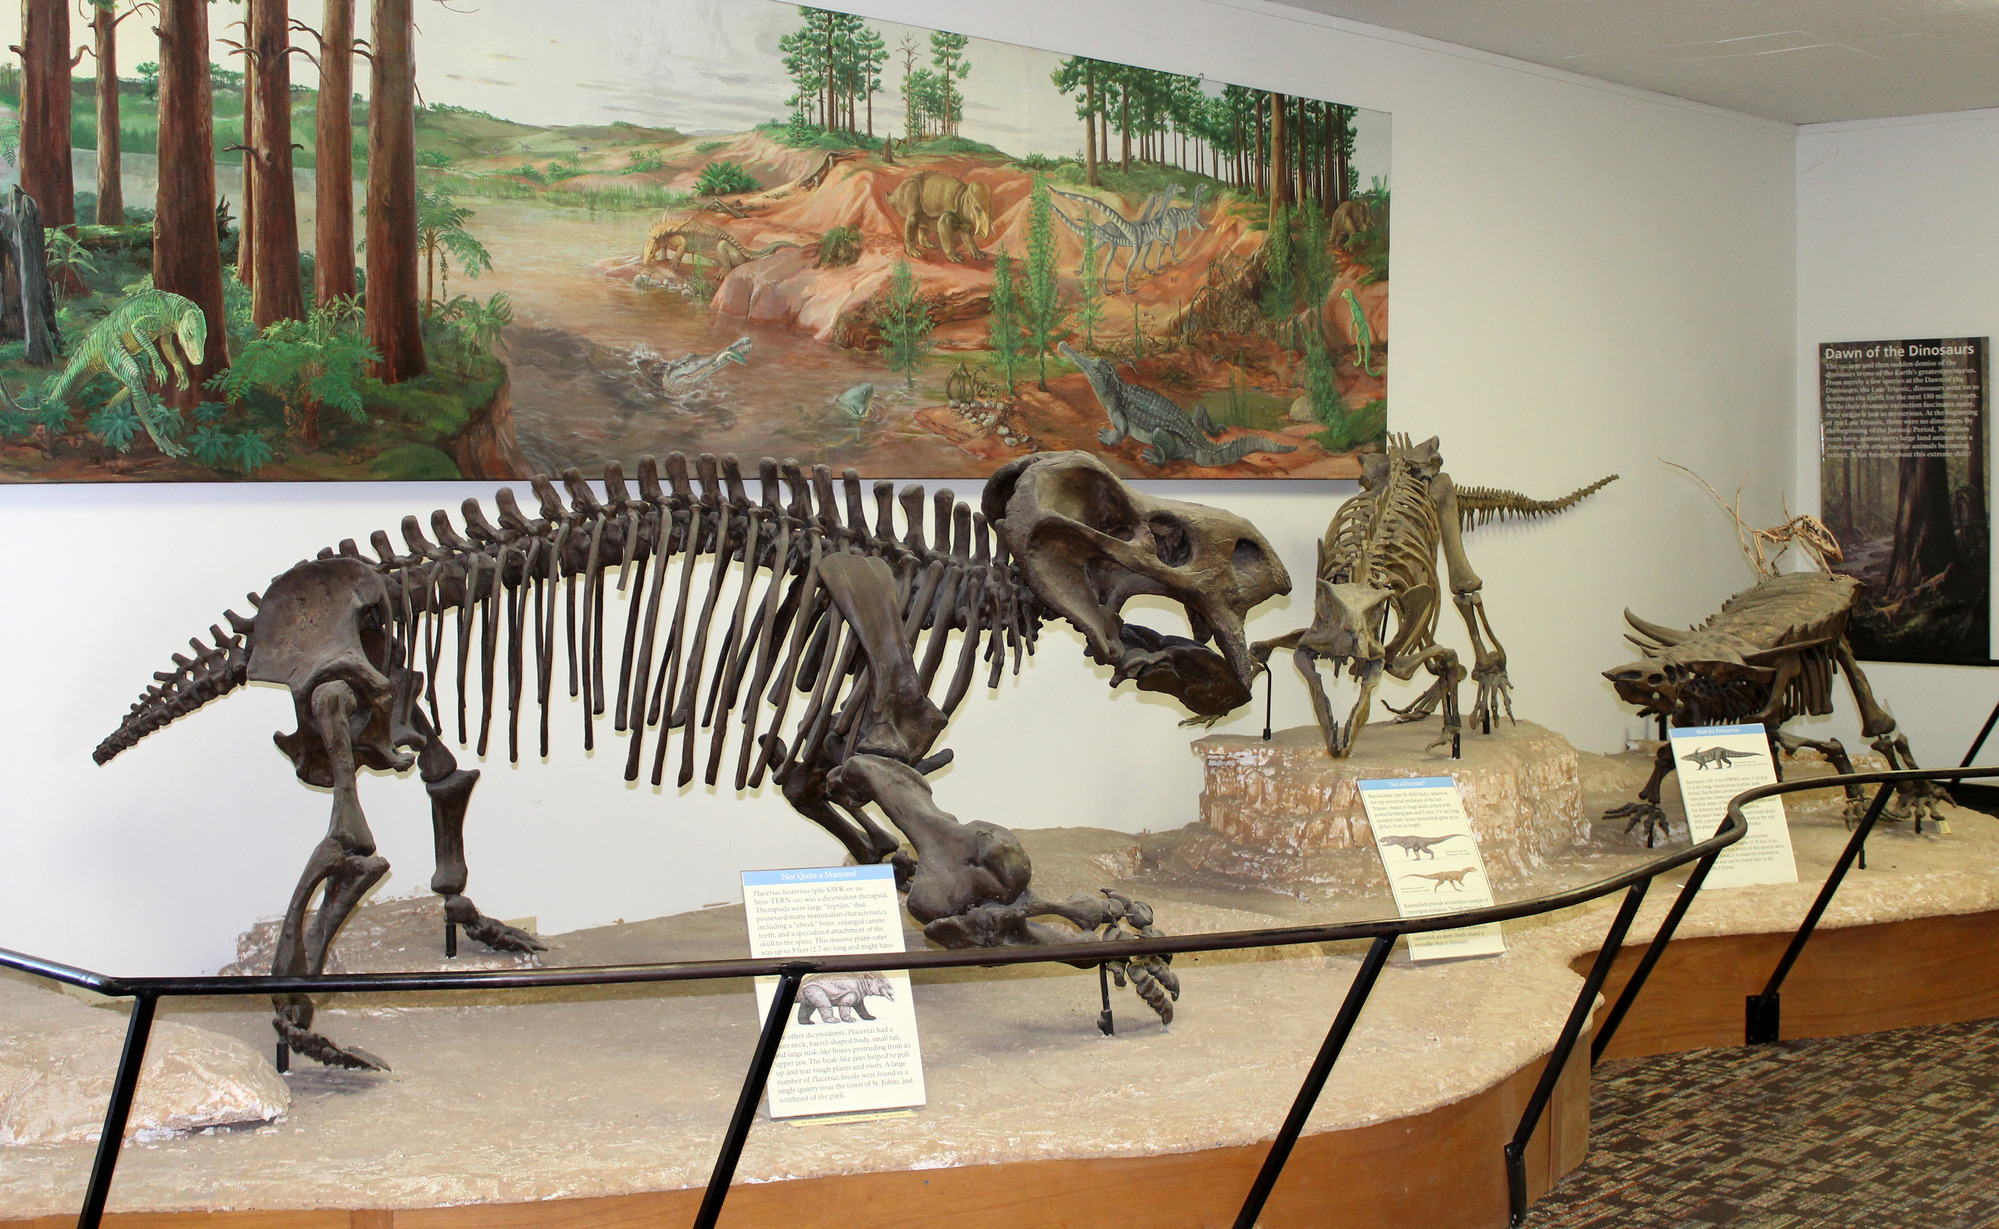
x,y
1903,486
850,1044
1432,859
1715,763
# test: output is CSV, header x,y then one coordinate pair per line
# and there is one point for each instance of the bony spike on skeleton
x,y
1379,557
852,615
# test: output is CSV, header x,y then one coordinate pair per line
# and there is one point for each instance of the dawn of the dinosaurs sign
x,y
531,239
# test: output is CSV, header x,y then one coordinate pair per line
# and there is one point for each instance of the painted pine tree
x,y
903,319
1003,323
1045,313
1090,301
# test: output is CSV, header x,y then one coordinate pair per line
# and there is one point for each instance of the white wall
x,y
1898,236
1586,279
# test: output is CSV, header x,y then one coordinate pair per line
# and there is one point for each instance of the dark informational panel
x,y
1903,485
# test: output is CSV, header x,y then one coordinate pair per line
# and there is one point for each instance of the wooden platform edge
x,y
1442,1169
1855,979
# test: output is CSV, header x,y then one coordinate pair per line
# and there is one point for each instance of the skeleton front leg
x,y
450,790
1647,809
971,884
345,862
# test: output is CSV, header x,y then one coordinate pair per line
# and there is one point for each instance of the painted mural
x,y
540,236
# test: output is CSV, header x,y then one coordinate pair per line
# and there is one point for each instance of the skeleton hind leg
x,y
345,862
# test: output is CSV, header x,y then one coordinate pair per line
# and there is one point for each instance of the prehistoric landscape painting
x,y
310,242
1903,486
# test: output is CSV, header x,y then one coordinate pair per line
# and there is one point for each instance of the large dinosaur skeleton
x,y
1379,556
827,603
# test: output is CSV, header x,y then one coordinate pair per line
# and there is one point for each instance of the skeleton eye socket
x,y
1170,541
1246,555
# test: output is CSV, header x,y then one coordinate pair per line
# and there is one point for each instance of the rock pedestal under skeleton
x,y
1286,815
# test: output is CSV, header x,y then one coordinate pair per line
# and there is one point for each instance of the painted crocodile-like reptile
x,y
141,344
1379,556
1418,846
1168,432
1454,878
1718,757
678,237
680,374
804,593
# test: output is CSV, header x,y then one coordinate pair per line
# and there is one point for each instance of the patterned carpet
x,y
1892,1130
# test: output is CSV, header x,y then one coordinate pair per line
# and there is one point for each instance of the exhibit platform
x,y
604,1107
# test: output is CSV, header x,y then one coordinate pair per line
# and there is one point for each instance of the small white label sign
x,y
1432,859
1715,763
850,1044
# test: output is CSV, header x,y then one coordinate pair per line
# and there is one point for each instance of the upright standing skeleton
x,y
842,618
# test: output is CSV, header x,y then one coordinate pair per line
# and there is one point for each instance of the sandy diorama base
x,y
509,1099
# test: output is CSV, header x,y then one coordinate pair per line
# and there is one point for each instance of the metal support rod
x,y
1984,732
1653,951
1105,1024
1315,1082
450,940
1558,1058
746,1103
138,1027
1854,844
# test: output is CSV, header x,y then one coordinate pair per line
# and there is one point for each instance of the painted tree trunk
x,y
1925,545
275,291
30,310
1280,173
333,144
394,319
110,168
187,252
246,226
1090,126
45,64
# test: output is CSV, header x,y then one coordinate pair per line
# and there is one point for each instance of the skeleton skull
x,y
1704,675
1086,543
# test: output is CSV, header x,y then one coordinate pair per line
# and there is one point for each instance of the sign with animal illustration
x,y
1715,763
852,1045
513,241
1903,486
1432,860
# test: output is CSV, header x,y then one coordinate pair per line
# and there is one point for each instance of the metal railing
x,y
146,992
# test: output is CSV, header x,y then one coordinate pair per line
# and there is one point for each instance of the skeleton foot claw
x,y
497,935
305,1042
1651,814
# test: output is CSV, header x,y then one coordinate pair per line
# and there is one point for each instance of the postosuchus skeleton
x,y
1768,655
1379,556
831,604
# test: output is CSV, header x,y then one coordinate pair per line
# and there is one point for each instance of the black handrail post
x,y
138,1027
1653,951
753,1091
1315,1081
1762,1012
1558,1058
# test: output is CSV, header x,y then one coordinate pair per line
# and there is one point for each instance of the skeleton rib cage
x,y
504,578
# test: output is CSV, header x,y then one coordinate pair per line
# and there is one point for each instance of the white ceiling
x,y
1805,61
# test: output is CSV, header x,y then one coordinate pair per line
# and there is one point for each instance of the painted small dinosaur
x,y
151,339
1363,337
1454,878
1718,757
1169,432
677,236
1418,846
